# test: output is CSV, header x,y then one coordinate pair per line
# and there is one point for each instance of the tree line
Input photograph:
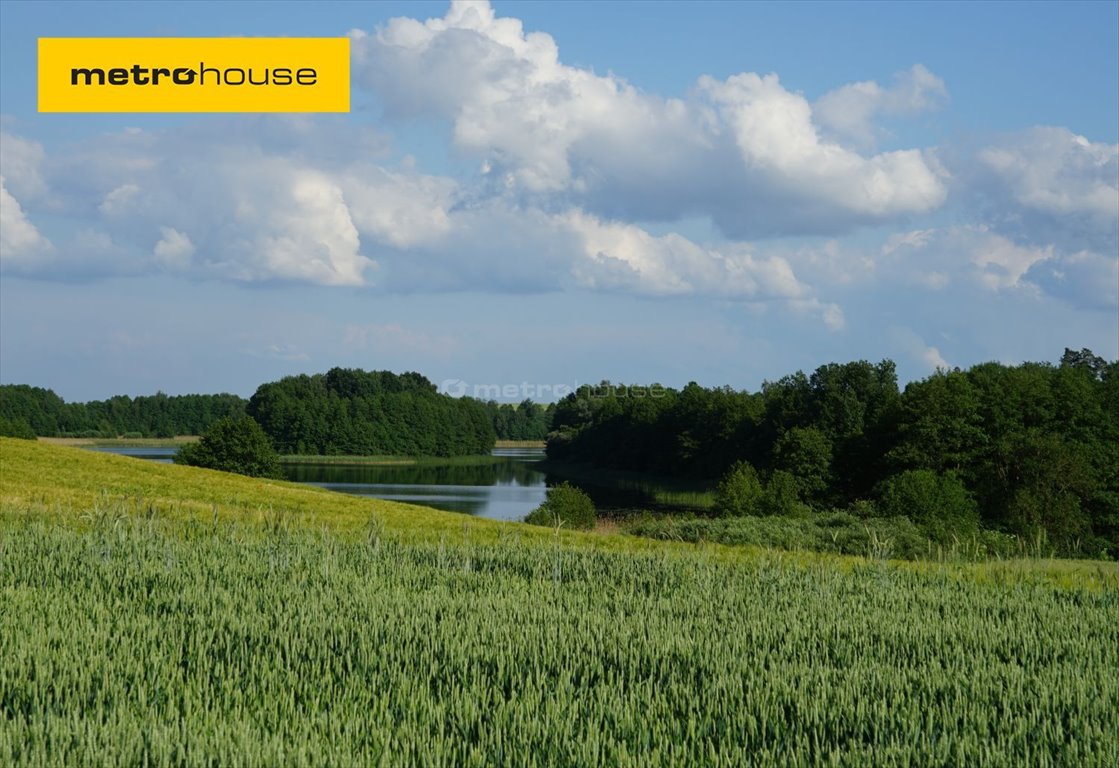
x,y
1031,449
348,411
28,412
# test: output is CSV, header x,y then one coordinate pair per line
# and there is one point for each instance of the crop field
x,y
195,632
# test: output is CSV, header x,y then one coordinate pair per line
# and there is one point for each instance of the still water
x,y
507,489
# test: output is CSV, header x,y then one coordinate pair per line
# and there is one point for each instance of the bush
x,y
233,445
565,506
781,495
939,504
16,428
739,492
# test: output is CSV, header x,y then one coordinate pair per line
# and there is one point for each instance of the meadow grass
x,y
123,442
164,615
520,444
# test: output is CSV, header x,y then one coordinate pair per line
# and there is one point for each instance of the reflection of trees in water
x,y
622,494
506,472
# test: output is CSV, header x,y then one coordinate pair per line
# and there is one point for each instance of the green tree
x,y
233,445
939,504
805,454
739,492
16,428
565,506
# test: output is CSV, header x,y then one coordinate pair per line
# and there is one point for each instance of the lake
x,y
507,489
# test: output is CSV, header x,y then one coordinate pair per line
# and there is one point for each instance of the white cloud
x,y
254,215
22,246
119,201
1054,171
1048,185
624,256
1002,263
914,348
849,112
309,236
744,151
21,160
174,249
402,210
937,258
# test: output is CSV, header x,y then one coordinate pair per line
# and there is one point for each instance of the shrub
x,y
739,492
565,506
781,495
233,445
16,428
939,504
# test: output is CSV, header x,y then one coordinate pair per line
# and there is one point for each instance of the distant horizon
x,y
461,388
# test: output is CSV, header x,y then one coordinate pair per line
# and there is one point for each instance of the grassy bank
x,y
166,615
520,444
122,442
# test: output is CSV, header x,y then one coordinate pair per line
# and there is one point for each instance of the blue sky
x,y
555,193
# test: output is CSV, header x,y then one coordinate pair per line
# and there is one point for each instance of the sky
x,y
537,195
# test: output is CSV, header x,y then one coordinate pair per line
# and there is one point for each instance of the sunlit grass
x,y
163,615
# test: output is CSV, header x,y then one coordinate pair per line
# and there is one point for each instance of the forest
x,y
27,411
347,411
1031,450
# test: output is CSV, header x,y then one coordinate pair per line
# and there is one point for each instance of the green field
x,y
165,615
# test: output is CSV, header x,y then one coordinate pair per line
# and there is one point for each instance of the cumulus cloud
x,y
849,112
256,215
744,151
21,159
986,258
22,246
174,249
1050,185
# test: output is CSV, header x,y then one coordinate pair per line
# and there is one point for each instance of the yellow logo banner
x,y
194,74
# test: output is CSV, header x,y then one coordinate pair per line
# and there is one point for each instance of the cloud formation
x,y
580,179
849,112
252,213
744,151
22,247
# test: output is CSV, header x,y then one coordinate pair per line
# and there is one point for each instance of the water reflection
x,y
507,489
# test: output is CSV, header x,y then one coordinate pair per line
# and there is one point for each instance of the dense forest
x,y
1031,449
29,411
526,421
350,411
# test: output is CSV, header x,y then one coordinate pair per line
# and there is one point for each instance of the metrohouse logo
x,y
194,74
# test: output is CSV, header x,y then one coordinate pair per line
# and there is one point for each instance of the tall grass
x,y
140,639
